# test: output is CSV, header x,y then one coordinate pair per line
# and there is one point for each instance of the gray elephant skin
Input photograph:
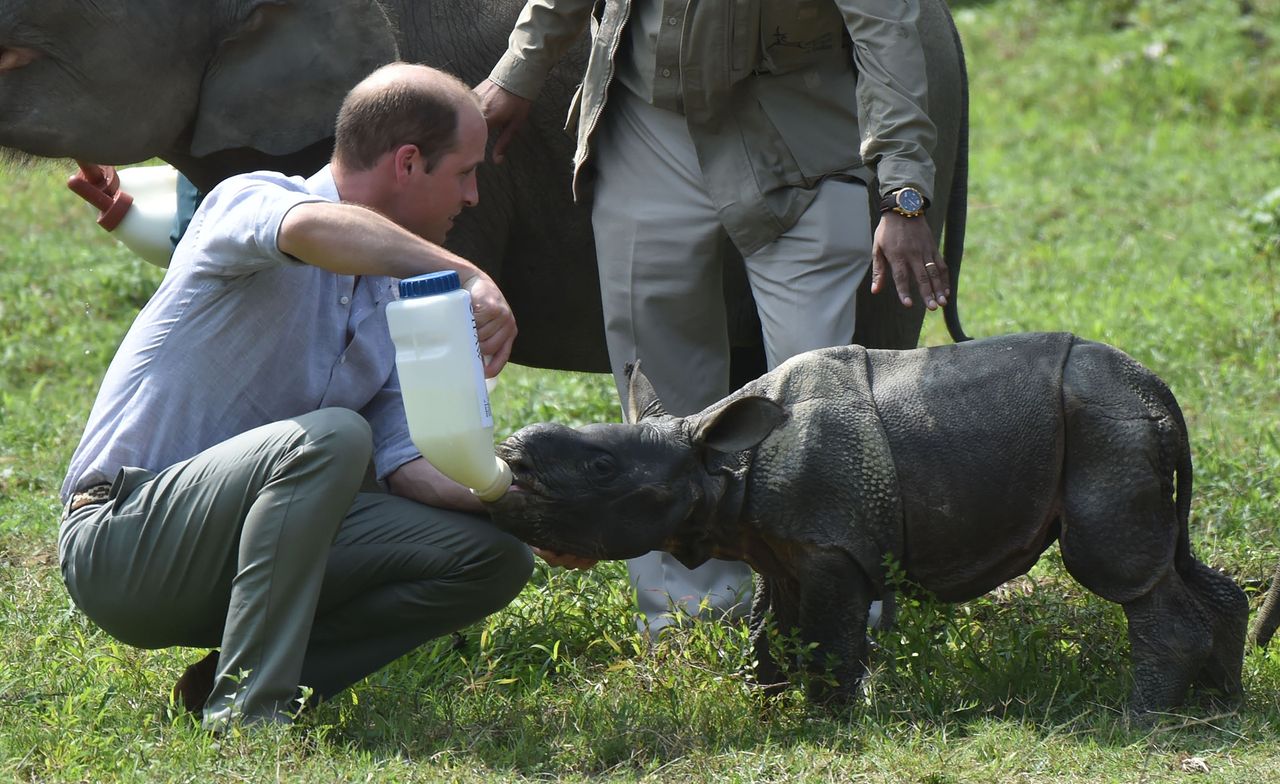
x,y
221,88
963,463
1268,620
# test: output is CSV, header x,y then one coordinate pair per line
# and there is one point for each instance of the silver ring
x,y
931,266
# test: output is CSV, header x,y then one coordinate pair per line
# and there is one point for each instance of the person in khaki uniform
x,y
219,496
751,122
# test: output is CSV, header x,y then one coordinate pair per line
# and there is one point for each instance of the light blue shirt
x,y
239,335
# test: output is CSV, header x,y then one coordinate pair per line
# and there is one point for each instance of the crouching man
x,y
218,495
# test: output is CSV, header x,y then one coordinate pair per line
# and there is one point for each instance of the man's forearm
x,y
543,33
348,239
898,135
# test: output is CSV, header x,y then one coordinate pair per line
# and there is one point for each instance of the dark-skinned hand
x,y
905,248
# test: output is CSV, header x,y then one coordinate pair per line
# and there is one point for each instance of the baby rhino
x,y
963,463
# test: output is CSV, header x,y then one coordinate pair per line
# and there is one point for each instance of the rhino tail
x,y
1224,604
1184,561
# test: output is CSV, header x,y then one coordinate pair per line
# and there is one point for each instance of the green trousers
x,y
265,546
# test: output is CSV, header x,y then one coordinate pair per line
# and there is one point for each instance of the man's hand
x,y
495,323
423,482
505,112
563,559
905,248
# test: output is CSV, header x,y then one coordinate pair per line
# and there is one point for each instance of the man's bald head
x,y
399,104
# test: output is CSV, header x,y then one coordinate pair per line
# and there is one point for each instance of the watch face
x,y
910,200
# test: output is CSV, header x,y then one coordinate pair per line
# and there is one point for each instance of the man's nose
x,y
471,194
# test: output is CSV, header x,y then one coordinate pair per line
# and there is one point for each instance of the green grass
x,y
1125,161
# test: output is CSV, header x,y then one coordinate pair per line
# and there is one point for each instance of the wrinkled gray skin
x,y
1268,620
964,463
220,88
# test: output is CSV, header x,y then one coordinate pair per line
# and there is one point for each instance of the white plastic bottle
x,y
442,382
148,223
136,205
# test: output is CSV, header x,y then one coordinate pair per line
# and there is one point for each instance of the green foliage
x,y
998,657
1123,187
1264,223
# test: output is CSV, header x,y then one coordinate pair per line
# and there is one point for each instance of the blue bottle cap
x,y
429,284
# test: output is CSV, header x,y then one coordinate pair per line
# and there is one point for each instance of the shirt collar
x,y
322,184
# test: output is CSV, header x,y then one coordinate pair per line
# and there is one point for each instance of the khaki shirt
x,y
769,92
648,61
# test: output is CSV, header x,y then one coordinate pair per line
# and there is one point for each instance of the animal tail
x,y
958,204
1184,561
1224,602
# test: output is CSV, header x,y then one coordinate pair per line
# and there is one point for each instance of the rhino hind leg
x,y
1228,611
1170,641
1120,547
1124,533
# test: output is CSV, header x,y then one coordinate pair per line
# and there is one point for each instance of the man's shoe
x,y
196,684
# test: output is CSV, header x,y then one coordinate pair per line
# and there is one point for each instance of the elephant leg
x,y
1170,642
1269,616
835,599
1228,611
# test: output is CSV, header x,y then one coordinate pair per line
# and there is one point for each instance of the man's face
x,y
437,196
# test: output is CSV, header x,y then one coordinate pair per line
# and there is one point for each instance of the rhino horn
x,y
642,400
739,425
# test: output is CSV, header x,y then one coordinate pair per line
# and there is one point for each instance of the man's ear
x,y
738,425
404,159
281,71
642,400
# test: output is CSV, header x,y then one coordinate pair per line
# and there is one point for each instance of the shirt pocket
x,y
365,363
814,113
798,33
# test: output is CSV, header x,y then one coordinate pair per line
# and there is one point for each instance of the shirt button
x,y
666,71
671,20
345,300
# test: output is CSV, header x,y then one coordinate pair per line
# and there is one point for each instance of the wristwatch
x,y
907,202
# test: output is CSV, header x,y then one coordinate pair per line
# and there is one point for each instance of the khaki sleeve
x,y
893,92
543,32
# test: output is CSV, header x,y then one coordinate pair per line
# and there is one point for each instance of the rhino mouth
x,y
527,512
523,480
526,486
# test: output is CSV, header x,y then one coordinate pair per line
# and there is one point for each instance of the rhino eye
x,y
602,467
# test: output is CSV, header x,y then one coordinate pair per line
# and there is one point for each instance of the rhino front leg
x,y
772,608
835,598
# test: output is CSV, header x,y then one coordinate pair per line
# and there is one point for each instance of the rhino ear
x,y
277,79
739,425
642,400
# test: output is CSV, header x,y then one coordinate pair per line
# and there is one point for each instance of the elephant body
x,y
220,88
963,463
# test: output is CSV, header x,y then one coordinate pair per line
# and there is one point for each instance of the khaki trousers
x,y
661,249
264,546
